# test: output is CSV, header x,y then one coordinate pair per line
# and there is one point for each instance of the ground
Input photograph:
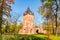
x,y
28,37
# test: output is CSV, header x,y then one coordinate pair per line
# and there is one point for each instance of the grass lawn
x,y
28,37
52,37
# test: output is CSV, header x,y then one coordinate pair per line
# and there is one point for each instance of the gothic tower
x,y
28,23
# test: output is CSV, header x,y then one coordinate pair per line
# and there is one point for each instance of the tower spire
x,y
28,10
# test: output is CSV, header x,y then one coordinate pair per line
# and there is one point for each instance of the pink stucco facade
x,y
28,23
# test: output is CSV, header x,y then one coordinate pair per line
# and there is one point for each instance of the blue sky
x,y
20,6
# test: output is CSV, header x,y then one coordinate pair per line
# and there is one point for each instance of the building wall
x,y
40,30
28,24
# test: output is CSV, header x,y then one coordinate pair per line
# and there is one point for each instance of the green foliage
x,y
20,25
7,28
11,29
47,8
48,3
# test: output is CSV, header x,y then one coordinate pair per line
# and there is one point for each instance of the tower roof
x,y
28,11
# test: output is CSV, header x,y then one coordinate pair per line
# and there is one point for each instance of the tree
x,y
19,27
12,29
7,28
54,5
5,8
44,25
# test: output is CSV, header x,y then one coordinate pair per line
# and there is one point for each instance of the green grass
x,y
53,37
28,37
22,37
39,35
